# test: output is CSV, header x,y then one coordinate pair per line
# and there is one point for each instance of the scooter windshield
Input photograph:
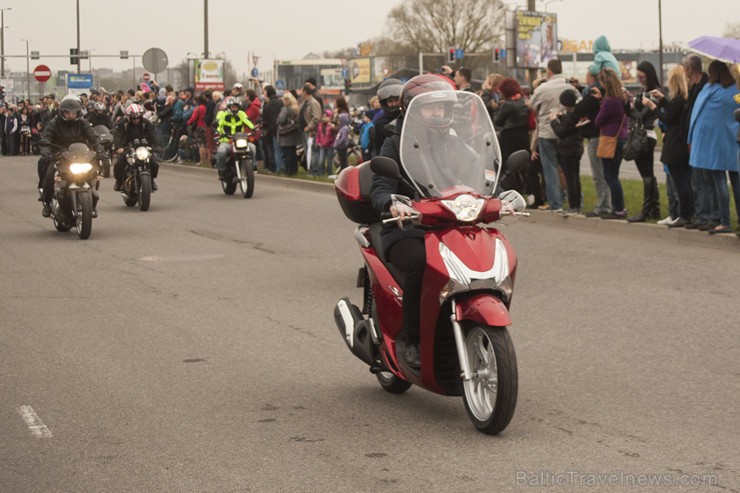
x,y
448,144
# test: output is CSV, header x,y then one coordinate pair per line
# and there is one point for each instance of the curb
x,y
647,231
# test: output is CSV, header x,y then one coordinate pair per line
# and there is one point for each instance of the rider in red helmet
x,y
404,248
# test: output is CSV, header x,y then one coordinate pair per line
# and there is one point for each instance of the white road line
x,y
34,423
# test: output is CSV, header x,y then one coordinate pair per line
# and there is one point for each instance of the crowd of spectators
x,y
557,120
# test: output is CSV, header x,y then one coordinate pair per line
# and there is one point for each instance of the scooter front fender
x,y
484,308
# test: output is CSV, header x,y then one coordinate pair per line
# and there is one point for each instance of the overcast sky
x,y
290,29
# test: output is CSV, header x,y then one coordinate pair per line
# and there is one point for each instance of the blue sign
x,y
502,53
255,72
79,81
459,53
345,73
280,85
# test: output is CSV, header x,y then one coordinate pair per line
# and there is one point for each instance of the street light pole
x,y
28,68
205,28
660,41
2,42
78,36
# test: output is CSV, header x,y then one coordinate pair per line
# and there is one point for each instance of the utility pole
x,y
2,42
205,29
660,41
28,68
78,36
532,71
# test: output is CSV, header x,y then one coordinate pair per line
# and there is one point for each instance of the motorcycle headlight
x,y
463,278
241,143
80,168
465,207
142,153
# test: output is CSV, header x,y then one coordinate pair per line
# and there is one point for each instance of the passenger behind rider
x,y
131,128
230,121
404,248
68,127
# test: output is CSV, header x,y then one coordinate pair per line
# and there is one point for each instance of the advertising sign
x,y
79,83
536,38
360,71
209,74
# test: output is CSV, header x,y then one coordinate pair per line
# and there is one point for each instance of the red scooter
x,y
469,278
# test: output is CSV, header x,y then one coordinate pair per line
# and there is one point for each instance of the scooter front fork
x,y
462,354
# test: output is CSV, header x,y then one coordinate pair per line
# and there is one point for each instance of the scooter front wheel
x,y
392,383
490,396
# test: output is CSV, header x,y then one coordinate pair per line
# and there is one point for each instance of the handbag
x,y
288,127
636,142
608,143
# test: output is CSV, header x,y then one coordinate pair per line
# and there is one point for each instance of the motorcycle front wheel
x,y
490,396
145,192
246,181
84,215
106,167
392,383
228,185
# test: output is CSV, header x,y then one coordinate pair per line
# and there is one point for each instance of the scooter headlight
x,y
79,168
462,278
466,207
241,143
142,153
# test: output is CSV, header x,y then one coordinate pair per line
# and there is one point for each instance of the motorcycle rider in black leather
x,y
99,116
404,248
133,127
68,127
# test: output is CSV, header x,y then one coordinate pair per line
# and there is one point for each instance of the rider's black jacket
x,y
63,133
96,119
126,132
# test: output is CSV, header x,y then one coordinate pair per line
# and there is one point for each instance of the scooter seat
x,y
375,240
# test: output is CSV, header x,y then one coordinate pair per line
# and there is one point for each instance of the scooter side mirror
x,y
517,162
515,199
385,166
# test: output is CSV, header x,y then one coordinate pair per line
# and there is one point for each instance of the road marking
x,y
34,423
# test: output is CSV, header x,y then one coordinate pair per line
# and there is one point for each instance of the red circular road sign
x,y
146,76
42,73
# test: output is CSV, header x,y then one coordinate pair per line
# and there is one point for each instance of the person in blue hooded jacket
x,y
603,57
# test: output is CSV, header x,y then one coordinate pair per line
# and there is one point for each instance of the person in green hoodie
x,y
603,57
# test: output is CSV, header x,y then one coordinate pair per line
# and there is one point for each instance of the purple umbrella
x,y
723,49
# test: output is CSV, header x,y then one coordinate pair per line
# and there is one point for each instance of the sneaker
x,y
556,211
667,220
571,212
615,215
543,207
679,222
94,213
154,186
117,187
46,211
693,225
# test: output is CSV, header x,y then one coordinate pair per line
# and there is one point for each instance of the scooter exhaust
x,y
355,330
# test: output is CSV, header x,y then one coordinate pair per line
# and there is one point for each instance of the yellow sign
x,y
360,70
577,46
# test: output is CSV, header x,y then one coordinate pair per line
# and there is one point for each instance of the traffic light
x,y
347,86
451,55
497,54
2,93
74,54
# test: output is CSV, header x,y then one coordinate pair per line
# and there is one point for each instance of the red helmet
x,y
134,111
421,84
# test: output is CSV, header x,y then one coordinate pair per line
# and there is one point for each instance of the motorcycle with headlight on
x,y
76,183
468,283
137,178
240,169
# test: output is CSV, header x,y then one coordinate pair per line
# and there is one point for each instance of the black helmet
x,y
421,84
70,104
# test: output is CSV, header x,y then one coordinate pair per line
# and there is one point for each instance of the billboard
x,y
209,74
79,83
536,38
360,70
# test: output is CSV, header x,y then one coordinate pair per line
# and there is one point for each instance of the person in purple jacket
x,y
611,120
341,143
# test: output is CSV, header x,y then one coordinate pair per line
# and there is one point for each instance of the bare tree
x,y
436,25
732,30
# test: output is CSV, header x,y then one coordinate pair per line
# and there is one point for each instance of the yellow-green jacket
x,y
229,124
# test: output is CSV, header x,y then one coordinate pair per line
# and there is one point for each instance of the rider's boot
x,y
46,211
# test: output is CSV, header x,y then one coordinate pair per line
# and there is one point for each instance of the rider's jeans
x,y
224,151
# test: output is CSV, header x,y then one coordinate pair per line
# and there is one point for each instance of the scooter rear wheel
x,y
490,396
392,383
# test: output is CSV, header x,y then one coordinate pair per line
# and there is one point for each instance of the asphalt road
x,y
191,348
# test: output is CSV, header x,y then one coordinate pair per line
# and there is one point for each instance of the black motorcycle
x,y
75,188
240,169
106,140
137,177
